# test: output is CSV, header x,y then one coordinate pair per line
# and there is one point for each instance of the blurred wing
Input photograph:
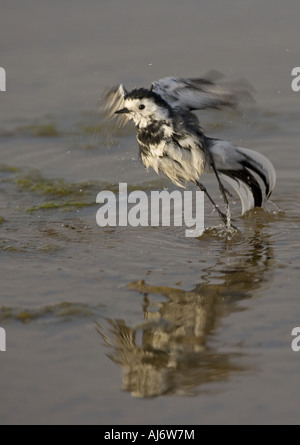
x,y
198,94
112,101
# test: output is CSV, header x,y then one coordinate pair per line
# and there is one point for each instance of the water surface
x,y
142,325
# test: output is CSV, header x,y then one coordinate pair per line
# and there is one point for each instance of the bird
x,y
172,142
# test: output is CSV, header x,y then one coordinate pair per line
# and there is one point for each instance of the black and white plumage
x,y
171,140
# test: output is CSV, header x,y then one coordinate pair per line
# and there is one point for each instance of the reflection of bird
x,y
177,348
171,140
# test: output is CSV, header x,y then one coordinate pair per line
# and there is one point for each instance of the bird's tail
x,y
249,173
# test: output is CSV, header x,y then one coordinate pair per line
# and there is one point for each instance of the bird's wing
x,y
112,101
250,174
198,94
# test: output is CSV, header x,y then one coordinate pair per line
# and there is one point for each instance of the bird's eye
x,y
141,107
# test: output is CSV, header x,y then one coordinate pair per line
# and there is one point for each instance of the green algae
x,y
8,169
39,130
63,311
35,182
66,205
58,194
66,196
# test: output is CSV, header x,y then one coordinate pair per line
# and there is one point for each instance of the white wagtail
x,y
171,140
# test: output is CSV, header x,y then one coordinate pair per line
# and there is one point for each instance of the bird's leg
x,y
221,214
225,218
223,192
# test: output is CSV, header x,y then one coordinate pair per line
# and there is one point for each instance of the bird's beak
x,y
122,111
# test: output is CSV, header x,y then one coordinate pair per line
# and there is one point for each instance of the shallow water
x,y
143,325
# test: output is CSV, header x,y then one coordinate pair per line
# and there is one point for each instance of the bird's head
x,y
144,106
